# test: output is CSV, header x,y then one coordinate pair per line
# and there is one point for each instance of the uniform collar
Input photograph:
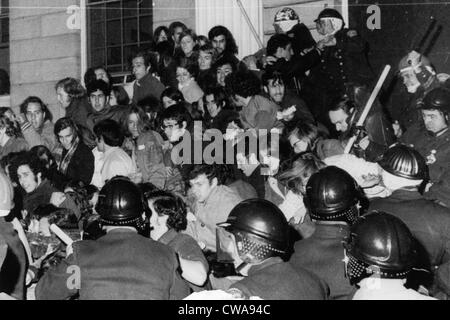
x,y
406,194
439,133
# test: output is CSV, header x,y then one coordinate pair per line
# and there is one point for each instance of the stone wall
x,y
167,11
43,50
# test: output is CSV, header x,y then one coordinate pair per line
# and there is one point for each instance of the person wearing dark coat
x,y
332,200
260,249
121,265
77,161
343,63
404,170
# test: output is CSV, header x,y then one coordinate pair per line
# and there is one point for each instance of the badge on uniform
x,y
431,158
141,147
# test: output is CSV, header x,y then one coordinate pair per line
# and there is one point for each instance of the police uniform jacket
x,y
436,151
121,265
322,254
428,221
278,280
341,64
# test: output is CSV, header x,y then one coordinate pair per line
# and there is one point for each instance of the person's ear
x,y
266,90
39,177
214,182
184,125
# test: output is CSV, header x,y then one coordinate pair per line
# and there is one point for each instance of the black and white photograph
x,y
224,154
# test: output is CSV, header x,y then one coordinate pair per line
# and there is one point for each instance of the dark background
x,y
403,23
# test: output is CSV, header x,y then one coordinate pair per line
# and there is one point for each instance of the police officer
x,y
333,200
120,265
343,64
431,139
256,238
403,171
287,22
376,134
380,252
419,78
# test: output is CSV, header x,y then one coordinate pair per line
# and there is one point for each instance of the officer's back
x,y
120,265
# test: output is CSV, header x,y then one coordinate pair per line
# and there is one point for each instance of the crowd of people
x,y
279,210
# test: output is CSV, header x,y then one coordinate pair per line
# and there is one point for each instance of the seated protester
x,y
36,125
116,162
222,68
13,258
189,47
171,96
186,73
77,162
206,59
176,123
32,176
11,139
104,265
168,221
377,133
305,136
72,97
57,179
224,43
379,255
216,102
293,108
146,84
152,109
99,92
246,90
213,204
255,237
146,148
119,96
291,67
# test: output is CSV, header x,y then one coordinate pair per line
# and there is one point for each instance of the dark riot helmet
x,y
333,195
121,203
437,99
405,162
260,228
381,244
